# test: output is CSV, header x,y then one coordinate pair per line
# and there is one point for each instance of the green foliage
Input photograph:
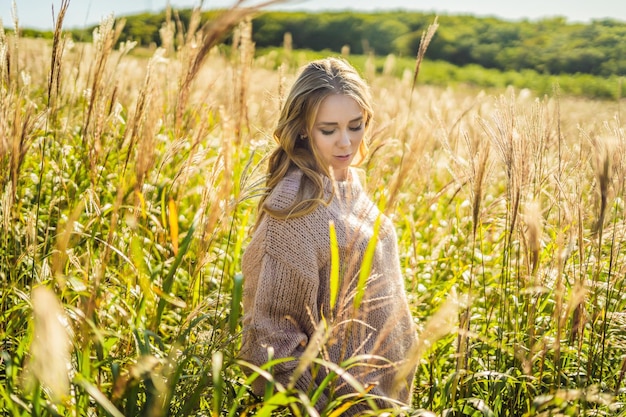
x,y
524,54
444,74
547,46
551,46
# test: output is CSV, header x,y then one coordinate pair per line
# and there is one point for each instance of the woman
x,y
287,265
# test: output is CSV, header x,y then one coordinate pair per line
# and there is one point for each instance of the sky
x,y
38,14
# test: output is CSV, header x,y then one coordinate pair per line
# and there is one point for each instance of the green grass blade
x,y
280,399
366,265
235,304
334,266
218,382
169,279
98,396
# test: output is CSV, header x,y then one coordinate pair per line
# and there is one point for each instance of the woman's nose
x,y
344,138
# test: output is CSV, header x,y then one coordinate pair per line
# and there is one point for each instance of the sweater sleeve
x,y
281,267
283,315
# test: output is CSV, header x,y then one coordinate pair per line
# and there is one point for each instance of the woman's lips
x,y
343,157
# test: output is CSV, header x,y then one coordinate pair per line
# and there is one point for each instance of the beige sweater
x,y
286,269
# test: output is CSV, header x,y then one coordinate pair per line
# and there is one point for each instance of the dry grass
x,y
125,191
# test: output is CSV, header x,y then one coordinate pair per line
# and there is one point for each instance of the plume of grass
x,y
564,242
58,45
17,114
211,33
578,308
105,38
602,167
370,66
390,65
143,125
60,256
513,153
246,55
407,163
480,170
533,221
313,349
534,227
50,340
425,40
12,53
288,44
507,141
611,188
565,249
167,31
20,121
5,57
601,162
194,23
438,325
469,164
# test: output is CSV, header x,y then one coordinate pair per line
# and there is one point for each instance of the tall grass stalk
x,y
410,149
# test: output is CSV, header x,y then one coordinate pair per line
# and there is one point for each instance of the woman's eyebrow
x,y
357,119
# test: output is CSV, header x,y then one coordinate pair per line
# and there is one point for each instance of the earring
x,y
303,136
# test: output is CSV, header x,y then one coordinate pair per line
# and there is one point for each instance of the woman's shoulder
x,y
296,241
286,191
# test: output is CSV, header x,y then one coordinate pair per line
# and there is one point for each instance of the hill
x,y
594,54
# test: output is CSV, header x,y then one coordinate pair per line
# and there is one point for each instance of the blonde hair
x,y
318,80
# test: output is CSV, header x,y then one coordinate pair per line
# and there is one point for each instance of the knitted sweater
x,y
286,269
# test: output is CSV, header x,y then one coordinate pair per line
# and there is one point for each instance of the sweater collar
x,y
349,188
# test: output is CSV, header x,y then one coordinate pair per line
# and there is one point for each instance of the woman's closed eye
x,y
351,128
356,128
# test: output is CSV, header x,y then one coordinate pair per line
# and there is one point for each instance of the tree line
x,y
549,46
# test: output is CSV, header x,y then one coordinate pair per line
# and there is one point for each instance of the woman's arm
x,y
283,317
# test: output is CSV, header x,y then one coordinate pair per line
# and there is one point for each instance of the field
x,y
129,185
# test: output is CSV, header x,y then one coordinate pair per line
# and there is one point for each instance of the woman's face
x,y
338,131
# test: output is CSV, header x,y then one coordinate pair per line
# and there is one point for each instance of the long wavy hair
x,y
318,80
